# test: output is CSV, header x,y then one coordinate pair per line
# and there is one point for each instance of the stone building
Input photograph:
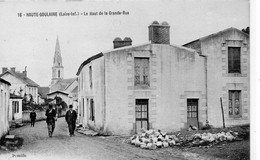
x,y
59,83
164,86
21,85
227,56
4,106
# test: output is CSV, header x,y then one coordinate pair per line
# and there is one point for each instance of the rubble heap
x,y
11,142
151,139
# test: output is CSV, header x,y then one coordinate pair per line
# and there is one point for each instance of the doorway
x,y
192,112
141,114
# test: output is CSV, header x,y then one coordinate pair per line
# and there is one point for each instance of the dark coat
x,y
50,115
71,117
33,115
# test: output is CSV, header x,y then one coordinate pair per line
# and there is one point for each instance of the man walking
x,y
33,117
51,117
71,117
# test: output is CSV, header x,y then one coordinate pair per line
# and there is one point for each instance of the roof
x,y
22,77
75,90
4,81
217,33
62,92
43,91
101,54
89,60
62,84
225,30
13,96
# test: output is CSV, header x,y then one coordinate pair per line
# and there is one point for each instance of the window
x,y
92,111
5,99
82,82
58,73
234,106
141,71
90,76
234,60
83,108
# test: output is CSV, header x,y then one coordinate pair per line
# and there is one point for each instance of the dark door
x,y
141,114
192,112
13,109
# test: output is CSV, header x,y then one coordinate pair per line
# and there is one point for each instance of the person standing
x,y
71,117
33,117
51,118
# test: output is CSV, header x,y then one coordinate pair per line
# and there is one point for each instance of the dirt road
x,y
37,145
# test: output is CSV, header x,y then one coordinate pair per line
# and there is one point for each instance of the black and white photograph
x,y
127,79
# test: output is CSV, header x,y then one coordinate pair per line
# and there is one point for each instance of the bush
x,y
30,107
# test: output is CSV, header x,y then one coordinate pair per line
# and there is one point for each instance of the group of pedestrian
x,y
70,117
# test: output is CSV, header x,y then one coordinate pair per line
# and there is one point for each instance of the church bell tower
x,y
57,68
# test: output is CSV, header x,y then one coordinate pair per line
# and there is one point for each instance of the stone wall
x,y
40,115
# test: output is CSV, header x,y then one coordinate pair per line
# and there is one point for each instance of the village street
x,y
37,145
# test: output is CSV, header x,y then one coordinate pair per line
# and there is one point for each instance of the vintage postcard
x,y
128,79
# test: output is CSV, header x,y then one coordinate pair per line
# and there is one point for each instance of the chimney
x,y
13,69
118,42
159,33
25,72
4,69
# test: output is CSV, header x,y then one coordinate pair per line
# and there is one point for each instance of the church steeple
x,y
57,68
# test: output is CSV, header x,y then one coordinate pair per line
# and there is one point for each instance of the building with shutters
x,y
164,86
227,55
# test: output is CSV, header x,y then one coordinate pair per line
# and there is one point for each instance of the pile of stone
x,y
11,142
151,139
16,124
86,131
210,138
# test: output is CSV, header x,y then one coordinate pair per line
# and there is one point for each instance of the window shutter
x,y
141,71
234,60
230,60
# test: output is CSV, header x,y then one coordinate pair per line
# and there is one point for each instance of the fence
x,y
40,115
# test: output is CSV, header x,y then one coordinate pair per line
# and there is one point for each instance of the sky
x,y
30,41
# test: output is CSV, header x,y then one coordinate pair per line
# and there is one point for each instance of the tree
x,y
247,30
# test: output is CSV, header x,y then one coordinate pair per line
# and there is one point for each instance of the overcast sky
x,y
30,41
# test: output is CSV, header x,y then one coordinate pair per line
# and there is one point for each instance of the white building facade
x,y
163,86
4,106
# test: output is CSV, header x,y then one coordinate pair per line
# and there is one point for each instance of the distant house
x,y
165,86
4,106
42,94
60,99
61,94
21,85
15,111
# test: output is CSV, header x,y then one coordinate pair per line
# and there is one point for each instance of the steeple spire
x,y
57,68
57,61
